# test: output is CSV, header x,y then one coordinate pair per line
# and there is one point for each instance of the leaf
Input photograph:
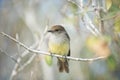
x,y
116,2
111,62
117,24
111,14
108,4
73,7
48,60
99,45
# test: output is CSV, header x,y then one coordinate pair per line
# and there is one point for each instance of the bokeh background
x,y
93,27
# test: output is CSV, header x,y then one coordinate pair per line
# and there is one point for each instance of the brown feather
x,y
63,65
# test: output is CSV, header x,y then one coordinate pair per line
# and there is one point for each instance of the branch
x,y
18,67
87,20
47,53
11,57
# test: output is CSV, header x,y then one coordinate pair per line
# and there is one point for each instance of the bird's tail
x,y
63,65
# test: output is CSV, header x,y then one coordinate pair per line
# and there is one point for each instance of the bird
x,y
59,43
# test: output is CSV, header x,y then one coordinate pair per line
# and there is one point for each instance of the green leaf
x,y
114,7
117,24
73,7
110,15
111,62
48,60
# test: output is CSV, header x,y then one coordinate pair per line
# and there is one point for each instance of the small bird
x,y
59,43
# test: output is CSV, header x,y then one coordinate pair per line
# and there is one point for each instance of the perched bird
x,y
59,43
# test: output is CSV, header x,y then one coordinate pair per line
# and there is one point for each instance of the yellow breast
x,y
60,49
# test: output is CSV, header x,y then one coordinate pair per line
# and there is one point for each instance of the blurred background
x,y
93,27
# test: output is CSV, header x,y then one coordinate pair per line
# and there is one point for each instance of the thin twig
x,y
11,57
90,26
43,35
18,67
28,62
47,53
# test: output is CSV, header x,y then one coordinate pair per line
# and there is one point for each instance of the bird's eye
x,y
56,30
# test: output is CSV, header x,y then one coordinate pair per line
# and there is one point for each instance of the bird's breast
x,y
60,48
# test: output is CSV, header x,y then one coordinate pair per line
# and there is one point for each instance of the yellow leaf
x,y
108,4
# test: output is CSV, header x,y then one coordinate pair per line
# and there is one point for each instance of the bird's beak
x,y
50,31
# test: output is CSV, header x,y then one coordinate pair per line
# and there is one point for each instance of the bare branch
x,y
47,53
87,20
11,57
18,67
28,62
